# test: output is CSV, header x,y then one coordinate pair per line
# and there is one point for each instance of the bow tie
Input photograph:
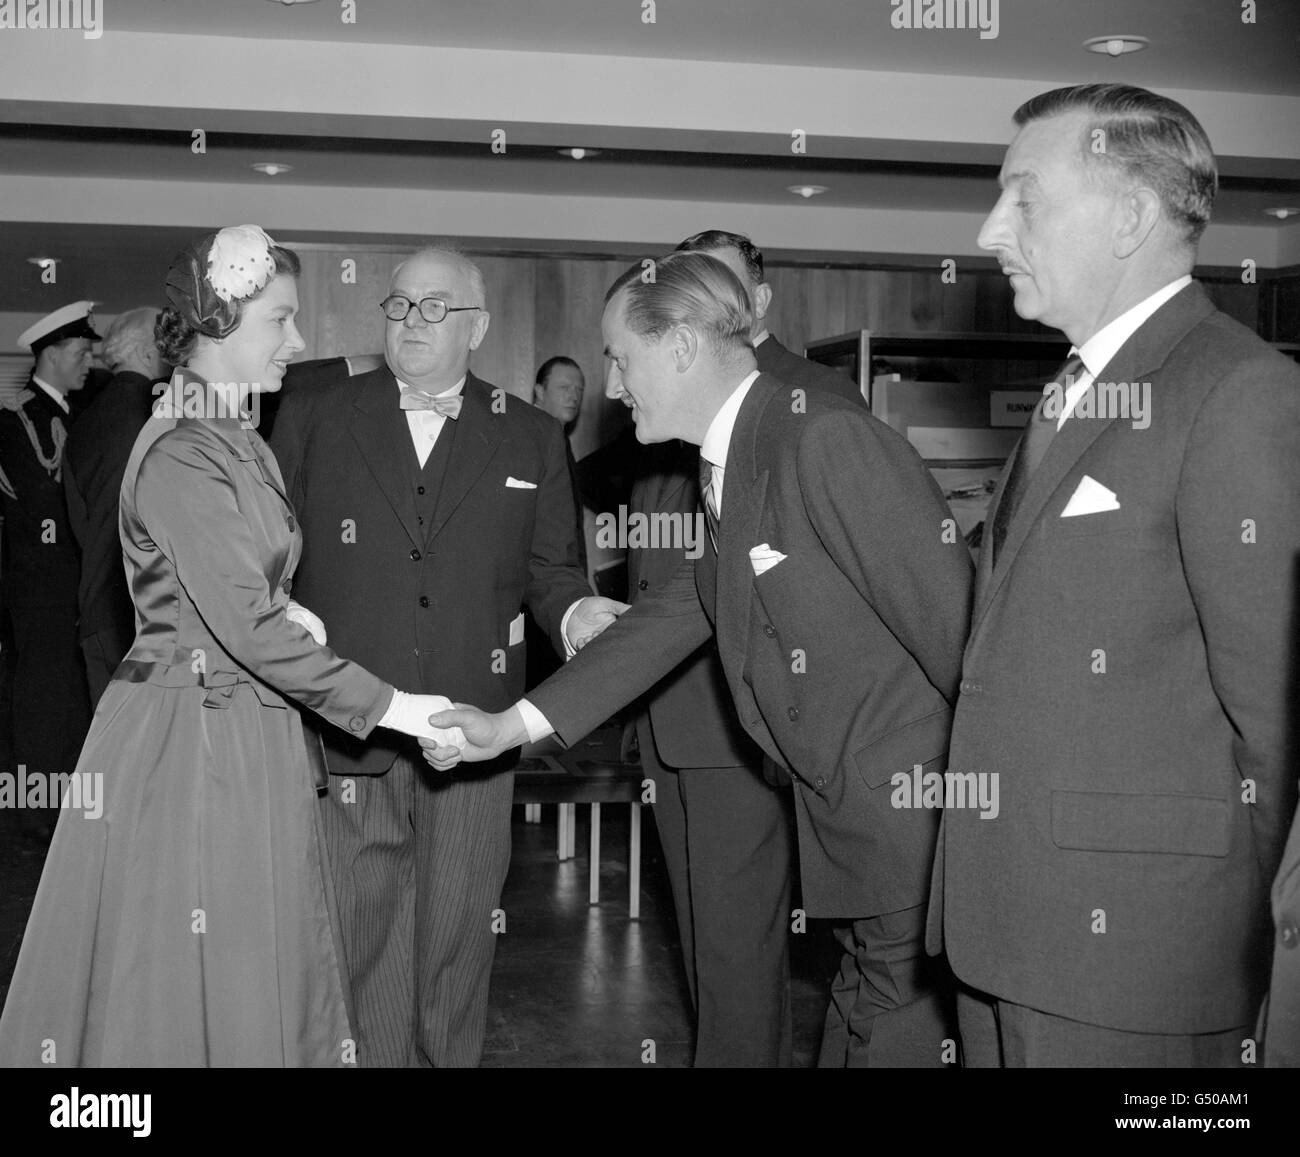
x,y
448,405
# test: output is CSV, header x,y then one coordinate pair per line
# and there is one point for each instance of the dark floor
x,y
573,985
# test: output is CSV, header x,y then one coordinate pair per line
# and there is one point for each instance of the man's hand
x,y
591,616
486,736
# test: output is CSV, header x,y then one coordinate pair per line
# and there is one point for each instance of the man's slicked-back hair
x,y
472,273
544,370
1148,139
712,240
687,289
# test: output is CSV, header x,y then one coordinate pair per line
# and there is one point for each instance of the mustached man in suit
x,y
51,709
839,598
94,462
739,254
434,507
1129,671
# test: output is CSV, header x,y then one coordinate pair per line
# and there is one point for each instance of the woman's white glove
x,y
409,714
297,613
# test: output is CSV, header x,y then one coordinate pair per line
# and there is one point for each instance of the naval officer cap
x,y
71,321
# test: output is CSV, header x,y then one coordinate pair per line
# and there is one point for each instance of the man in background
x,y
50,708
558,390
94,461
739,254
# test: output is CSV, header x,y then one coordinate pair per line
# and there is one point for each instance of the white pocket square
x,y
1090,497
764,558
517,629
517,484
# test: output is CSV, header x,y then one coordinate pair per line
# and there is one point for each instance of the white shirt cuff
x,y
569,649
392,708
535,721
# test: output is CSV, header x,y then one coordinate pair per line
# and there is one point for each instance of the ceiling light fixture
x,y
286,3
1282,213
272,168
1116,45
579,154
43,262
806,191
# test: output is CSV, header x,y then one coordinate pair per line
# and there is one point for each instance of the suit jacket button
x,y
820,782
643,585
286,586
769,630
357,722
290,521
424,600
793,712
1290,934
415,556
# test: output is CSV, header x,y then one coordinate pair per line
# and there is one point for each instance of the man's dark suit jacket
x,y
691,715
794,371
428,608
841,659
40,554
94,461
1122,785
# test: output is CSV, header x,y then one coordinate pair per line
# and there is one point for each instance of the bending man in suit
x,y
434,507
94,461
739,254
1129,666
839,597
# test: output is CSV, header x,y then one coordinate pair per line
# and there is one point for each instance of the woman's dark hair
x,y
176,338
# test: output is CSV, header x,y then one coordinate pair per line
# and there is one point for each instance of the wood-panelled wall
x,y
542,306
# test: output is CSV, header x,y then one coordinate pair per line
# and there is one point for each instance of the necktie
x,y
706,497
448,405
1033,445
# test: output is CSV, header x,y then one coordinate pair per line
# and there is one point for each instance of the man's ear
x,y
686,347
762,300
479,332
1140,209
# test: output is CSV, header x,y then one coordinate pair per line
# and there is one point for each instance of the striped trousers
x,y
419,858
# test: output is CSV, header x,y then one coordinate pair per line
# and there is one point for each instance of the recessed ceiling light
x,y
286,3
1282,213
1116,45
579,154
272,168
43,262
806,191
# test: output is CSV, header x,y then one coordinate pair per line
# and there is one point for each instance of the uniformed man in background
x,y
39,566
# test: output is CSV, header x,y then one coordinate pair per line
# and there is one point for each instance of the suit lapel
x,y
744,489
380,430
478,433
1142,355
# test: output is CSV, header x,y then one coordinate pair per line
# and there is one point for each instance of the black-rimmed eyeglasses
x,y
432,309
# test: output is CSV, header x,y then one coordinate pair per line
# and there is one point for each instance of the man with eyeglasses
x,y
434,507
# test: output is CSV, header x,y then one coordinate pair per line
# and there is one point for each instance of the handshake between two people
x,y
449,732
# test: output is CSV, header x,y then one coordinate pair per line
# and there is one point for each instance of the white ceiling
x,y
1194,43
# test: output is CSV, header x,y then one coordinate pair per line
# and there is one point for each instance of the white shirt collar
x,y
717,438
49,389
762,337
1097,351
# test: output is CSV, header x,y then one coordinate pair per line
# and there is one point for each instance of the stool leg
x,y
562,831
634,866
593,896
